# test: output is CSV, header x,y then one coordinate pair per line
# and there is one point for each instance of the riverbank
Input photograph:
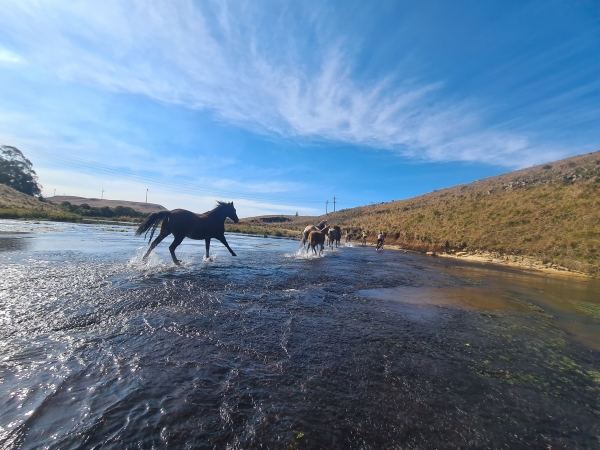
x,y
549,214
478,256
514,261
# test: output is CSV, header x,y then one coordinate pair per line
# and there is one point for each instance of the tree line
x,y
105,211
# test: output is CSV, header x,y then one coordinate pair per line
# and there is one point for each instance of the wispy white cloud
x,y
63,182
8,57
168,173
210,57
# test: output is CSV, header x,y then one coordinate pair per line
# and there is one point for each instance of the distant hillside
x,y
11,198
99,203
550,212
15,204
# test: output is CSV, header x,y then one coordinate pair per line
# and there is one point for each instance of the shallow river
x,y
273,349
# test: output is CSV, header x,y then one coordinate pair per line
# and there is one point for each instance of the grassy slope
x,y
147,208
16,205
550,212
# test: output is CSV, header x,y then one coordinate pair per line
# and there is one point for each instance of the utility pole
x,y
146,195
334,203
102,196
326,205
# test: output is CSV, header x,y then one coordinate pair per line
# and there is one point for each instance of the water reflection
x,y
572,302
14,243
479,299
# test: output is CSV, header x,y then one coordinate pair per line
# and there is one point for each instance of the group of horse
x,y
211,224
318,235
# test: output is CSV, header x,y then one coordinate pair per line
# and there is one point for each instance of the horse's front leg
x,y
207,242
224,242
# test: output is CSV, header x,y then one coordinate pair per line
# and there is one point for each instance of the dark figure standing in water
x,y
183,223
379,241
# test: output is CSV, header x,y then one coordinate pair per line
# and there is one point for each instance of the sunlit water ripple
x,y
276,349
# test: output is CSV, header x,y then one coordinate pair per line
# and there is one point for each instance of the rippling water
x,y
273,349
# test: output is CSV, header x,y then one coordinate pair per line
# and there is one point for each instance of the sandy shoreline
x,y
483,257
515,261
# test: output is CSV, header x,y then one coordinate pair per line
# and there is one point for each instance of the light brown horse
x,y
316,238
310,228
183,223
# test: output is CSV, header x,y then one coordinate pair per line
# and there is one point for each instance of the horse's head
x,y
322,224
227,209
231,213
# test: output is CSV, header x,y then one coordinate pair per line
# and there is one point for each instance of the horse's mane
x,y
221,204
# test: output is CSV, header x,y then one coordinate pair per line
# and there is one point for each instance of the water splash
x,y
304,255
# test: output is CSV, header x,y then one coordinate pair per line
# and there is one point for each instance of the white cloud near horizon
x,y
213,58
168,173
91,186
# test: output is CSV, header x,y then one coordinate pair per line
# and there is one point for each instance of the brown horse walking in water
x,y
316,238
184,224
310,228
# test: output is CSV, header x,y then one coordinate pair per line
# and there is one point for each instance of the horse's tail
x,y
151,223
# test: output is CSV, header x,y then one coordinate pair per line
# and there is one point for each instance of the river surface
x,y
276,349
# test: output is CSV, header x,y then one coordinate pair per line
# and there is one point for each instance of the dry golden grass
x,y
12,199
550,212
16,205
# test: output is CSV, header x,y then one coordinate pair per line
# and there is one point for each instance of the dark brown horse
x,y
334,236
184,224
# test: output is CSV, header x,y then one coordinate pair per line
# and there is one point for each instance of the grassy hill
x,y
15,205
550,212
147,208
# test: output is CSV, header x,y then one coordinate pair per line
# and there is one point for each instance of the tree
x,y
17,171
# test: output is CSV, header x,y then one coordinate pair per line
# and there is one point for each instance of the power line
x,y
98,168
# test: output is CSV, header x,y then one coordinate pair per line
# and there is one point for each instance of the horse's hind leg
x,y
173,246
163,234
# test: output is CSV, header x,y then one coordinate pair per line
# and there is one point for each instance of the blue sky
x,y
282,106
